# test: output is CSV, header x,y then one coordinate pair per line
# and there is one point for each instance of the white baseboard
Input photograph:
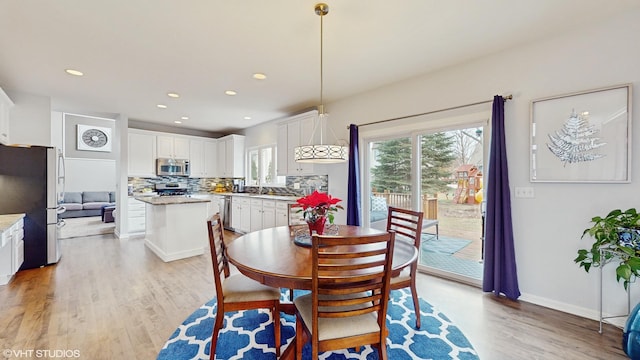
x,y
167,257
561,306
119,235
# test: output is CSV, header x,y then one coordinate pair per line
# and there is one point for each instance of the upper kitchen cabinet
x,y
231,156
5,107
294,132
203,158
173,147
142,154
210,158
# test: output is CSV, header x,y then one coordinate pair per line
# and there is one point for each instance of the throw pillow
x,y
378,204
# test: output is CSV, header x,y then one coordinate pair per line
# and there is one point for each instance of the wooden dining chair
x,y
237,292
347,305
408,227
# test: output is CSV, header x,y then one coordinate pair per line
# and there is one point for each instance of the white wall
x,y
57,129
547,228
70,136
90,175
30,119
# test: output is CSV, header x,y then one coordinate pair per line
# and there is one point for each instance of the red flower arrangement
x,y
319,205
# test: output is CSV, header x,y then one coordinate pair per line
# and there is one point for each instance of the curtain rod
x,y
508,97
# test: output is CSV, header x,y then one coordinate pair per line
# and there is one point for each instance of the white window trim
x,y
274,175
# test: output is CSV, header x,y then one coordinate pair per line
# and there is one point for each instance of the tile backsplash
x,y
295,185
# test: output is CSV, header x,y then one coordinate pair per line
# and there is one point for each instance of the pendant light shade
x,y
321,153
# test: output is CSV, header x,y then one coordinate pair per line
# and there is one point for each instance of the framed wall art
x,y
583,137
94,138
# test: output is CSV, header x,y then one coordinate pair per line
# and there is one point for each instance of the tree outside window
x,y
392,171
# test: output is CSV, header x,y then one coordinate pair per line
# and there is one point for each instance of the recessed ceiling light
x,y
185,118
247,117
178,122
230,92
173,95
74,72
162,106
259,76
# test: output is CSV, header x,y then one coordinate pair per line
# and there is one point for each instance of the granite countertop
x,y
170,200
267,196
146,194
8,220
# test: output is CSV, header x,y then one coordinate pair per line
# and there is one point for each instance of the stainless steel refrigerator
x,y
32,182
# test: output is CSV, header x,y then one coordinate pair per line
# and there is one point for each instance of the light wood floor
x,y
112,299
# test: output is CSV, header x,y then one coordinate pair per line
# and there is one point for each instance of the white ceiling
x,y
133,52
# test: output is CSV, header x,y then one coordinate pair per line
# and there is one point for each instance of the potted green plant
x,y
618,234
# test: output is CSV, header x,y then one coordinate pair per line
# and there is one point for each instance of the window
x,y
262,167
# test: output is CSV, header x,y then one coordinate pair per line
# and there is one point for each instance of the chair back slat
x,y
331,268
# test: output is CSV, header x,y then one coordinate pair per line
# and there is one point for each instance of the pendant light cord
x,y
322,121
321,64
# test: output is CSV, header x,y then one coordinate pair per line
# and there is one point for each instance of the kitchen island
x,y
175,226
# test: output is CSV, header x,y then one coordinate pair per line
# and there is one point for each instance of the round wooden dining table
x,y
271,257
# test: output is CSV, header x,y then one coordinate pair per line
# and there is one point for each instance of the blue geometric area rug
x,y
443,245
248,335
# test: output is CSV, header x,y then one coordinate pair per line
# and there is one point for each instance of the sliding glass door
x,y
441,174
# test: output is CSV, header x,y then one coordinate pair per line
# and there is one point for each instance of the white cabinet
x,y
210,158
263,214
202,158
256,214
292,133
216,202
172,147
282,213
236,210
146,146
231,156
268,214
5,108
196,158
241,214
17,241
142,154
11,249
136,213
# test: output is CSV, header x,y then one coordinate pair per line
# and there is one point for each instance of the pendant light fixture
x,y
321,153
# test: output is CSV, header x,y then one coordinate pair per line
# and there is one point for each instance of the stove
x,y
172,189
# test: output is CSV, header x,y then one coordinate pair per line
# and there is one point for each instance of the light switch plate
x,y
525,192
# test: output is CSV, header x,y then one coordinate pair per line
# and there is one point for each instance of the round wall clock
x,y
94,138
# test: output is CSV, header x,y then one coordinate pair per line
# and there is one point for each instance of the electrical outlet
x,y
525,192
296,186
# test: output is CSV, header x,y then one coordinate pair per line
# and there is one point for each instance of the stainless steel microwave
x,y
172,167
